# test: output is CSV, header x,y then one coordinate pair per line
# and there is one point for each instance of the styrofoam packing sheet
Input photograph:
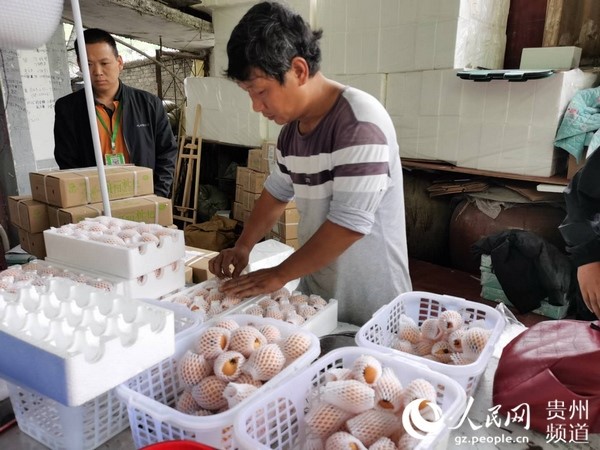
x,y
75,343
76,244
323,322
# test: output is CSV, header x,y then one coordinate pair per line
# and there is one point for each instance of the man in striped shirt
x,y
337,156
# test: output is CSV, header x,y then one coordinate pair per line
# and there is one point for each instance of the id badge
x,y
114,159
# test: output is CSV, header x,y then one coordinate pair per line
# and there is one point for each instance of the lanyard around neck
x,y
115,131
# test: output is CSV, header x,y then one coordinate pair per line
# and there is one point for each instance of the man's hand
x,y
262,281
588,276
236,257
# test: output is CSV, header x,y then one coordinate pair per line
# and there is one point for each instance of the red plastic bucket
x,y
177,445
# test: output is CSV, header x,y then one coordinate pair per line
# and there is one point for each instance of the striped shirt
x,y
347,170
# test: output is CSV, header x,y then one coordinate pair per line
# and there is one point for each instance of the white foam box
x,y
270,253
74,343
225,16
71,246
409,35
557,58
227,114
153,284
38,273
499,126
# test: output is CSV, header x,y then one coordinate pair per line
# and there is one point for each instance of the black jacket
x,y
146,131
581,227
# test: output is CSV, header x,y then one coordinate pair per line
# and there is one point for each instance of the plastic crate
x,y
63,427
150,397
379,332
275,420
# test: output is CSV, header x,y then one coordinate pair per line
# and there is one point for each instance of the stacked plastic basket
x,y
151,397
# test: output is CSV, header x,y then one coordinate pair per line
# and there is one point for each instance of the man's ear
x,y
299,69
120,61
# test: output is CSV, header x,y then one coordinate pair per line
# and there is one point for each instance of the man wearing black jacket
x,y
581,231
132,123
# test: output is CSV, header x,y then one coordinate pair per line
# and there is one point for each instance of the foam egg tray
x,y
114,246
38,273
74,342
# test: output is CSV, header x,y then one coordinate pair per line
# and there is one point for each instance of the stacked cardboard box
x,y
249,185
69,196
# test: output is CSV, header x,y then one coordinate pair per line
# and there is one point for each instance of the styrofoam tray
x,y
154,284
87,426
75,343
151,396
276,418
69,245
379,332
185,295
322,323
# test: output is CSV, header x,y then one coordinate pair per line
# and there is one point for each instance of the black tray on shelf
x,y
509,74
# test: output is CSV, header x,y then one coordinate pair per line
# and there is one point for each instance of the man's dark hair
x,y
268,37
96,36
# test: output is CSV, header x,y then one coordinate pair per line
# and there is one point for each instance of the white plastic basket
x,y
150,397
57,426
275,420
379,332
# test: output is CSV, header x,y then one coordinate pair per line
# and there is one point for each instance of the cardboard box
x,y
66,188
28,214
256,181
290,242
148,209
290,216
255,159
189,275
32,243
248,200
268,150
239,189
238,211
242,175
197,260
286,230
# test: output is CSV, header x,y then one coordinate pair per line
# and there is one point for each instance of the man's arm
x,y
165,152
